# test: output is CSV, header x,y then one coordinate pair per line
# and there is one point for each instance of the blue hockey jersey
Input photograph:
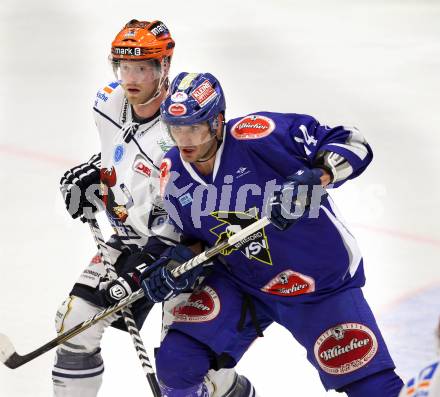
x,y
316,254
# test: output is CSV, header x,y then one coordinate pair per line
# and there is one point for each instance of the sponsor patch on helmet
x,y
290,283
186,81
204,93
203,305
253,127
177,109
165,168
130,34
131,51
345,348
159,29
179,96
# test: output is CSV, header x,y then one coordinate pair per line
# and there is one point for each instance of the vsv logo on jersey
x,y
254,246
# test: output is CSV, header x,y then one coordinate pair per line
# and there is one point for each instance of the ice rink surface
x,y
373,64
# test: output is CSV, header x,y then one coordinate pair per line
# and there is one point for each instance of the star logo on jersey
x,y
254,247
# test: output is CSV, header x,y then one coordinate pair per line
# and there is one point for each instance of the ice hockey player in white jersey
x,y
125,179
427,382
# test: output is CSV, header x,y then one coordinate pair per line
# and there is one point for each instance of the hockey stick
x,y
12,359
127,315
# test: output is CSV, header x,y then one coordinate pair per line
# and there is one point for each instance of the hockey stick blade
x,y
8,355
13,360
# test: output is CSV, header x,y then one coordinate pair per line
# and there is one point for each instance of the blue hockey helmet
x,y
194,98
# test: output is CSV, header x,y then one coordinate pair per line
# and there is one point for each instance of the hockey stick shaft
x,y
127,315
13,360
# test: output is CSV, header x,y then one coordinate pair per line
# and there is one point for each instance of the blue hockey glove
x,y
157,281
293,200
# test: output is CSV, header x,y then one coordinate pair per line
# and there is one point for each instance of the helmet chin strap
x,y
164,82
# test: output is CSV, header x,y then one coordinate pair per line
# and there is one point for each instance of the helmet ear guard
x,y
216,122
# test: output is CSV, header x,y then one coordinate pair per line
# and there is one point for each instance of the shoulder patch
x,y
254,126
110,87
104,93
165,169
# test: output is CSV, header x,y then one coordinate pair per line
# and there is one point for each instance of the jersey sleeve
x,y
314,139
304,138
106,108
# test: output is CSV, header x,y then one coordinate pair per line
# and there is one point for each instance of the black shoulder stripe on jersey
x,y
106,117
145,154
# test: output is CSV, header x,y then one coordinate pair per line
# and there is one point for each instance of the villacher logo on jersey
x,y
290,283
345,348
253,127
202,305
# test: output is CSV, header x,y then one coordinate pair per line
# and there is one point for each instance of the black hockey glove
x,y
128,281
158,282
80,188
129,269
293,200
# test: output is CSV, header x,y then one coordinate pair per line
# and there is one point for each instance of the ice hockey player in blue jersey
x,y
303,271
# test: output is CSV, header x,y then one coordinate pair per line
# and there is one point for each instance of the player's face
x,y
140,80
194,141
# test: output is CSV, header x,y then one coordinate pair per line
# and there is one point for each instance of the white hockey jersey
x,y
425,384
131,155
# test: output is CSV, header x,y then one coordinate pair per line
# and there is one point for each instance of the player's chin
x,y
135,97
189,154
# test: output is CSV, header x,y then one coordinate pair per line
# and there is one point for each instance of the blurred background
x,y
373,64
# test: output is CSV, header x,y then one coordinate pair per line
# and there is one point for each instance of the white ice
x,y
372,64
